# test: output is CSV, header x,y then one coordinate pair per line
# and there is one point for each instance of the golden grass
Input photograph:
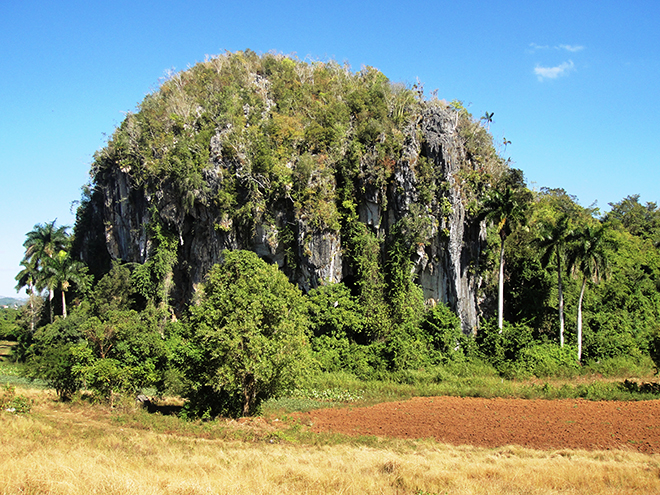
x,y
81,449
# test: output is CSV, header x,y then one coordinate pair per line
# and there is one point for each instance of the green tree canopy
x,y
640,220
42,245
248,337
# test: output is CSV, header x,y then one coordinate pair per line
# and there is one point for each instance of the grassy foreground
x,y
80,448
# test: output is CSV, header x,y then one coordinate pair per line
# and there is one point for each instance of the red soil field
x,y
537,424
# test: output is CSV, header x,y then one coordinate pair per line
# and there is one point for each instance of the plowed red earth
x,y
538,424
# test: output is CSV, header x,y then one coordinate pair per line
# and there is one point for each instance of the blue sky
x,y
572,84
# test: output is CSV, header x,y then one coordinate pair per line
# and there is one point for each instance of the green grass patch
x,y
12,374
474,379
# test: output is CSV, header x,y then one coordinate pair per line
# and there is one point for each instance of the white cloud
x,y
571,48
535,47
554,72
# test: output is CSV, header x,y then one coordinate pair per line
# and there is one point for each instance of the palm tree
x,y
45,241
507,208
588,256
488,118
553,242
42,244
27,277
62,271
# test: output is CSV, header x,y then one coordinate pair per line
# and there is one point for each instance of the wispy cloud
x,y
571,48
554,72
533,47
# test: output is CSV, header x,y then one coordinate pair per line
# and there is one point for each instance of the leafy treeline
x,y
590,280
563,286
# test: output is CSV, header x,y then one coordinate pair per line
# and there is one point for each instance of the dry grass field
x,y
79,448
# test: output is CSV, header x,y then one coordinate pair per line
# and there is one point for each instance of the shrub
x,y
443,328
407,347
503,348
129,351
55,365
119,351
50,357
334,312
248,337
616,335
544,360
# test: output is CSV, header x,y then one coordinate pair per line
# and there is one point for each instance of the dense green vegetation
x,y
247,339
565,288
9,328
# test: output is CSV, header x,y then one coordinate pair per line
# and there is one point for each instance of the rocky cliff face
x,y
426,184
451,274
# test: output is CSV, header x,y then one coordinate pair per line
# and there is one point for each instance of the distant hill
x,y
11,301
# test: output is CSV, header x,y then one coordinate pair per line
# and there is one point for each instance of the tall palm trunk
x,y
500,291
32,312
63,304
561,301
51,295
579,319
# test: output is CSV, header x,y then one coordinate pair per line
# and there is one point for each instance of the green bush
x,y
118,351
443,328
616,335
56,365
338,353
107,377
548,360
51,358
407,347
333,311
502,348
248,337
